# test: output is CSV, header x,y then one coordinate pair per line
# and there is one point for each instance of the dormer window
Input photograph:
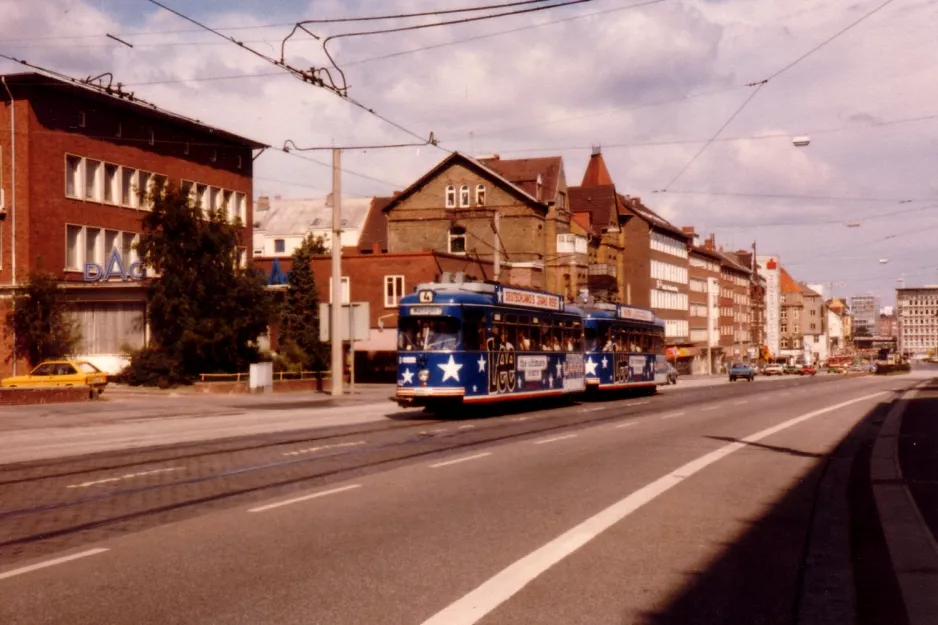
x,y
480,195
450,196
464,196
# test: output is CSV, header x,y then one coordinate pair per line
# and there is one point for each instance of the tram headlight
x,y
423,375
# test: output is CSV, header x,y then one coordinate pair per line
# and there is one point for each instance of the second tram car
x,y
474,342
624,348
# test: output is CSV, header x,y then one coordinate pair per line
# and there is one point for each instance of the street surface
x,y
699,505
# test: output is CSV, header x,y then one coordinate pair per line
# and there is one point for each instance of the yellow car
x,y
60,373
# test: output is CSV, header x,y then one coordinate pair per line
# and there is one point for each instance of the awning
x,y
681,352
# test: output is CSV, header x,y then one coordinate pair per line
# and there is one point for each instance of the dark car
x,y
741,370
809,370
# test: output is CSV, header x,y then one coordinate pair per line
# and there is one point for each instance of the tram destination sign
x,y
635,314
531,299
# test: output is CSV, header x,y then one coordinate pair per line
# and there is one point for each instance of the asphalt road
x,y
693,506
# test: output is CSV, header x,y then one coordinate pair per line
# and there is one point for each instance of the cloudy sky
x,y
650,81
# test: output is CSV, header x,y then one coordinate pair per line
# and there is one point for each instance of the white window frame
x,y
464,196
284,243
79,178
79,248
397,285
96,192
130,189
480,195
459,235
450,196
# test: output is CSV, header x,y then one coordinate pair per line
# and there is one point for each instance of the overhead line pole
x,y
335,336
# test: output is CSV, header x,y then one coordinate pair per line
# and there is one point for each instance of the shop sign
x,y
664,286
114,269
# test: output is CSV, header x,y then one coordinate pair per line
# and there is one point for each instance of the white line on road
x,y
123,477
740,403
522,419
304,498
673,415
593,409
710,408
458,460
310,450
638,403
42,565
624,425
556,438
477,604
466,427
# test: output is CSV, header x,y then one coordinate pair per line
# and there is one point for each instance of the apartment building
x,y
704,309
865,312
917,321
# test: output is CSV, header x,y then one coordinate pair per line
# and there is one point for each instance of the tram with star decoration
x,y
624,348
463,343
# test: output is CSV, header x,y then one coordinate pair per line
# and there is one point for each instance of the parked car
x,y
809,370
792,369
773,370
60,373
672,374
741,370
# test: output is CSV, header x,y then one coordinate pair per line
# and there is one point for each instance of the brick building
x,y
736,275
654,263
457,207
72,160
792,318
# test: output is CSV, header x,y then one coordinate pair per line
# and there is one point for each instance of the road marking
x,y
673,415
593,409
556,438
310,450
47,563
710,408
478,603
740,403
638,403
466,427
123,477
458,460
522,419
624,425
287,502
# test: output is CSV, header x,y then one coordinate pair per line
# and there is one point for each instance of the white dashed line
x,y
522,419
638,403
466,427
310,450
710,408
556,438
673,415
593,409
624,425
47,563
458,460
740,403
123,477
304,498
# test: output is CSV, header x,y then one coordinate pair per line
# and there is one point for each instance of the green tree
x,y
299,312
862,331
40,321
205,312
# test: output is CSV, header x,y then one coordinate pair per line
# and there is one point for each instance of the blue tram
x,y
476,342
624,348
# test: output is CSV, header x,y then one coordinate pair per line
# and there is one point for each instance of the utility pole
x,y
338,366
497,260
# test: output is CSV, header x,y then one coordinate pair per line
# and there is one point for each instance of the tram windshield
x,y
434,334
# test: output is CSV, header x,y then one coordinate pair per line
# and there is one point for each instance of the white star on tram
x,y
590,367
605,362
408,376
450,369
481,362
559,369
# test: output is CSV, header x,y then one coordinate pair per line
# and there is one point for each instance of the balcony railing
x,y
602,269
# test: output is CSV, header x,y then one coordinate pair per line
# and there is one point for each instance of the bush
x,y
151,366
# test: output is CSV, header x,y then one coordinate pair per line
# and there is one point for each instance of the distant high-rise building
x,y
865,309
917,317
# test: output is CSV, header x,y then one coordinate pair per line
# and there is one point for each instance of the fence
x,y
279,376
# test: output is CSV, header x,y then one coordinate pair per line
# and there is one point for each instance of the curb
x,y
912,547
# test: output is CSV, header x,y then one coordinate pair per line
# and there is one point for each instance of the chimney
x,y
489,157
277,197
711,243
329,200
689,231
263,203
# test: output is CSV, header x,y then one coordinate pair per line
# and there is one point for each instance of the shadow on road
x,y
761,579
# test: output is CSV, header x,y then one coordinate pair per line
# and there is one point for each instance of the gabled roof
x,y
730,259
635,205
375,228
808,291
298,216
596,173
128,101
418,184
787,284
524,172
600,202
703,251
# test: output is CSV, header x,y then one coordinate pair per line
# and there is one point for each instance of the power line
x,y
782,196
347,171
397,16
819,222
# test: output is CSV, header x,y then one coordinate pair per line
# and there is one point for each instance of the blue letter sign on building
x,y
277,277
115,269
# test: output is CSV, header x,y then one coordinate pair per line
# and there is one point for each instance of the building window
x,y
93,180
450,196
393,290
480,195
127,248
81,119
561,201
145,182
73,248
112,183
464,196
111,241
280,246
92,237
128,187
241,257
239,208
152,137
73,176
457,241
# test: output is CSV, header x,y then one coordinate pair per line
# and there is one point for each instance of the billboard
x,y
770,266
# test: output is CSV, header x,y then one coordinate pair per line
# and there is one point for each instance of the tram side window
x,y
473,330
510,333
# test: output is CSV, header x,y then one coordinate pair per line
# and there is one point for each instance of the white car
x,y
773,370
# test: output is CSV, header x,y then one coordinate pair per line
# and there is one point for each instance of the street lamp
x,y
801,142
